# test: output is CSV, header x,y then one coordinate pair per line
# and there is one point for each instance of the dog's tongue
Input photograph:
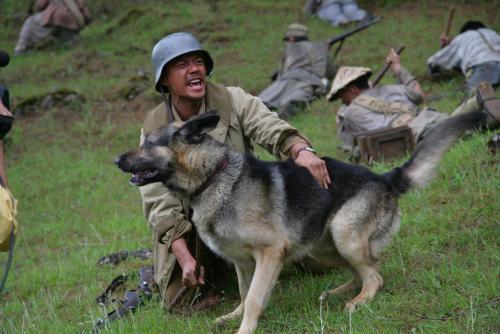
x,y
139,177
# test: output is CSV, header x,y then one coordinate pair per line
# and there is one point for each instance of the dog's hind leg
x,y
353,284
244,271
269,262
355,248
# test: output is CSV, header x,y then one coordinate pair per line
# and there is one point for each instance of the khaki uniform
x,y
385,106
244,119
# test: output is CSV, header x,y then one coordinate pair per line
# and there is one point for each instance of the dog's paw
x,y
220,321
350,307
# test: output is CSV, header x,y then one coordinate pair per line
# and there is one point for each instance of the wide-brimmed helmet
x,y
345,75
173,46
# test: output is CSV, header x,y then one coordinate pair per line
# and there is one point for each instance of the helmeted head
x,y
297,31
173,46
346,76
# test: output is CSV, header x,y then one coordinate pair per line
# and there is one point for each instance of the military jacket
x,y
244,120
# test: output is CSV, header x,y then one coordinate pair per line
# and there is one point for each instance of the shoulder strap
x,y
382,106
487,42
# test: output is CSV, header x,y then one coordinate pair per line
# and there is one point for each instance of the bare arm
x,y
395,60
188,264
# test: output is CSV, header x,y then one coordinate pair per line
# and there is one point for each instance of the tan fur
x,y
245,215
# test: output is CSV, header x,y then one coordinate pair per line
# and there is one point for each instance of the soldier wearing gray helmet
x,y
181,67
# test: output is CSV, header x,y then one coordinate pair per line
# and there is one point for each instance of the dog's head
x,y
163,149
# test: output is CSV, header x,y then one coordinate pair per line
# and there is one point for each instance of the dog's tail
x,y
422,166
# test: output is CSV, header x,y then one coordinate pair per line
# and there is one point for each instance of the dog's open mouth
x,y
142,177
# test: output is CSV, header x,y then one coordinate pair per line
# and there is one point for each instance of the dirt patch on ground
x,y
62,98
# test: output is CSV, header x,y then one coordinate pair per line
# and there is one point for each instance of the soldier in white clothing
x,y
475,51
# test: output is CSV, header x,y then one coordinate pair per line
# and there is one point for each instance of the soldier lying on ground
x,y
304,70
58,19
475,51
367,109
337,12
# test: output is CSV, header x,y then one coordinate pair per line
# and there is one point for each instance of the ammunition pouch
x,y
406,112
386,144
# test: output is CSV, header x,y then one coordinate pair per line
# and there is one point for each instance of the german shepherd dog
x,y
259,214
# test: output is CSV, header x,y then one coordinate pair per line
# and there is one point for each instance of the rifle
x,y
448,24
341,38
384,69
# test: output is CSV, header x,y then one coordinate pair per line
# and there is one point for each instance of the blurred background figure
x,y
337,12
305,69
60,20
475,51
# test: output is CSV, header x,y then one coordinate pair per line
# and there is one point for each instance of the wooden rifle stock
x,y
448,25
384,69
450,19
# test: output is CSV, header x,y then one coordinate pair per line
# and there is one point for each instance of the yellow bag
x,y
8,212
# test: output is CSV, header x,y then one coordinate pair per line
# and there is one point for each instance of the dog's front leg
x,y
268,265
244,271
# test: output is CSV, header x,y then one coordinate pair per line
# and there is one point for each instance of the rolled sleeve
x,y
404,77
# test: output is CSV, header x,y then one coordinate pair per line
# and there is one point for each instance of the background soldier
x,y
60,19
475,50
303,75
367,109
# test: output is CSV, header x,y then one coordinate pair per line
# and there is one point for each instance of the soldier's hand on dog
x,y
315,166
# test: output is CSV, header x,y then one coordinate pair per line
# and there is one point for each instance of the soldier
x,y
181,67
337,12
475,50
304,72
366,109
61,20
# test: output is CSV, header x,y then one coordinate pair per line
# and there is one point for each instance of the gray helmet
x,y
173,46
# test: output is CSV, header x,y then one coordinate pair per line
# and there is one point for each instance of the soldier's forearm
x,y
181,252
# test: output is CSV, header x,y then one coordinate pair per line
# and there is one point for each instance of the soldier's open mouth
x,y
195,83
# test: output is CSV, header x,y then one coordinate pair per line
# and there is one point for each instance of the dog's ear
x,y
195,129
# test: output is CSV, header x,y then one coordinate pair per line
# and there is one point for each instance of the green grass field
x,y
441,272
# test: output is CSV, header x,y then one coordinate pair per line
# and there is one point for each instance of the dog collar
x,y
221,165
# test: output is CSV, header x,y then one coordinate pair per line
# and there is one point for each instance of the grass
x,y
441,272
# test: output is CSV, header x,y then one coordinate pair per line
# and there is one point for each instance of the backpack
x,y
8,222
